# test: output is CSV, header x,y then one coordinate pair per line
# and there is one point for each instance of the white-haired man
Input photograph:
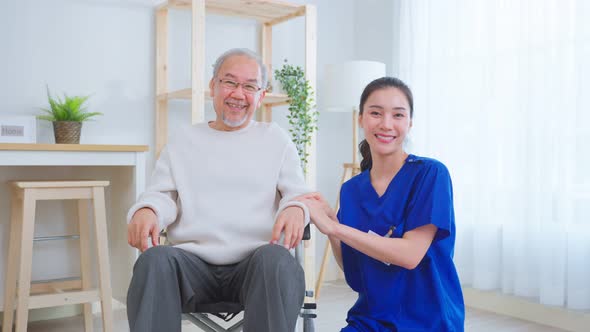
x,y
224,190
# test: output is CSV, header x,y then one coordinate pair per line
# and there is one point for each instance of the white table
x,y
124,189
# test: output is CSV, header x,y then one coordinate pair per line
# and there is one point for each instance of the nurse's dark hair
x,y
378,84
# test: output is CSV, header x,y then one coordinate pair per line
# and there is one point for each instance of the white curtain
x,y
502,97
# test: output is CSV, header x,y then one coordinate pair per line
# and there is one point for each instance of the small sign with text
x,y
18,129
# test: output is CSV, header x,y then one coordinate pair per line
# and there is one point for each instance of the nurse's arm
x,y
406,252
335,244
326,224
325,220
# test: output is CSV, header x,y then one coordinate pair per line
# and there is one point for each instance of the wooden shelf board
x,y
266,11
270,98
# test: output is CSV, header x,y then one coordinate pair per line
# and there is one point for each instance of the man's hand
x,y
290,222
143,224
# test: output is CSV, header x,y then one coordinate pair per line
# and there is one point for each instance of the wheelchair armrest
x,y
307,232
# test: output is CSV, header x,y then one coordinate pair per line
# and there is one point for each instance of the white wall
x,y
374,31
98,48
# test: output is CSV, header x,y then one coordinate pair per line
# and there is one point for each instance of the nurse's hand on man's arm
x,y
319,216
290,222
144,224
321,201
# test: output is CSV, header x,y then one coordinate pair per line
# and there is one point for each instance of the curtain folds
x,y
502,97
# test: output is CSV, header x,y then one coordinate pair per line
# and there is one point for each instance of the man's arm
x,y
292,215
156,207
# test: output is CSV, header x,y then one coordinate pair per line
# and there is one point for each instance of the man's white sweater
x,y
219,192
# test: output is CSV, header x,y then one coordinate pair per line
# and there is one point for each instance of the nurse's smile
x,y
385,138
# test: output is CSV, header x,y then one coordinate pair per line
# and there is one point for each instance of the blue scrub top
x,y
392,298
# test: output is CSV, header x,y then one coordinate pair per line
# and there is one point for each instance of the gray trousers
x,y
168,281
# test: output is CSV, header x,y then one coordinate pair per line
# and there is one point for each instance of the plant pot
x,y
67,132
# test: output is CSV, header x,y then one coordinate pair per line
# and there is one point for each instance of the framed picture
x,y
18,129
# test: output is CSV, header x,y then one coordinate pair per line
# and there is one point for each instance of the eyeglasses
x,y
248,88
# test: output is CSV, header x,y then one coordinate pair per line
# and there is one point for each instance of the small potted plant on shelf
x,y
67,115
302,115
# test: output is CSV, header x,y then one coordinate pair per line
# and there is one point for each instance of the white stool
x,y
56,293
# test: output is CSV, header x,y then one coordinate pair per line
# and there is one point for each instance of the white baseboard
x,y
522,308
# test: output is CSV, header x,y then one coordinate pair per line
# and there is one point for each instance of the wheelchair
x,y
227,311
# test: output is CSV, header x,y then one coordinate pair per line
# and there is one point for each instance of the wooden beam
x,y
51,300
281,103
16,211
178,94
265,112
263,11
58,184
23,303
310,75
161,79
50,194
198,62
102,253
239,12
175,4
85,260
164,5
266,48
272,99
282,19
47,287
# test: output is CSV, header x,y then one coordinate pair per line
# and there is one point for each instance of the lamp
x,y
343,85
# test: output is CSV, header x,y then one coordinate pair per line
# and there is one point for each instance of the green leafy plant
x,y
302,115
67,109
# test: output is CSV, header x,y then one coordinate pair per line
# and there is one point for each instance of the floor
x,y
334,302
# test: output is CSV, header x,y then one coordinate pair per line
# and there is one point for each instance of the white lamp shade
x,y
344,83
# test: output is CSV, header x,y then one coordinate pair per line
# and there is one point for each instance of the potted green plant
x,y
302,115
67,115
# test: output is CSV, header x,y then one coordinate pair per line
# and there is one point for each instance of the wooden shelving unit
x,y
270,98
268,13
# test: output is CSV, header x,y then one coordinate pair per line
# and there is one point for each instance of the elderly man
x,y
224,190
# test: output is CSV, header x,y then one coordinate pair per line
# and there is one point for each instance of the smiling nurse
x,y
394,234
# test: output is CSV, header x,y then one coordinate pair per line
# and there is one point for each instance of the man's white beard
x,y
234,124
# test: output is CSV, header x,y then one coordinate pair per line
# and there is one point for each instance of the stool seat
x,y
59,184
26,295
